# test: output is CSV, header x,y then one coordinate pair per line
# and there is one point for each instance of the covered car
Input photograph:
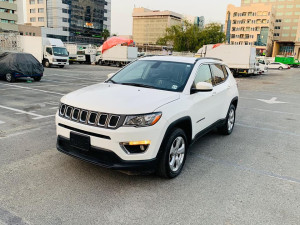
x,y
16,65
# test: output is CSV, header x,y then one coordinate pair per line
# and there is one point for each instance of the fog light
x,y
135,147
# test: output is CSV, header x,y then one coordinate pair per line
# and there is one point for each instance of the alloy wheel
x,y
177,153
231,119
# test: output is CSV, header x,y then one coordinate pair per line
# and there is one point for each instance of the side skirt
x,y
208,129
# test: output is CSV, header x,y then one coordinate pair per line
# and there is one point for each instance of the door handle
x,y
214,93
228,86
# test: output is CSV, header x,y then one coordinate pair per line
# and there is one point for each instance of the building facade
x,y
8,16
75,21
150,25
251,25
287,26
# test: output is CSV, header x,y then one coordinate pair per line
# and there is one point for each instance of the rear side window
x,y
218,74
225,71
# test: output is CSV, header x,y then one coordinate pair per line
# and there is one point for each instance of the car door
x,y
221,95
202,108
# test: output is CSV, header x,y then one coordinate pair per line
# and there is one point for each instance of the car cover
x,y
22,63
113,41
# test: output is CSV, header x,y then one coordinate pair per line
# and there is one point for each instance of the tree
x,y
105,34
189,37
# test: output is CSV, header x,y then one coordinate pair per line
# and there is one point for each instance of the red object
x,y
113,41
217,45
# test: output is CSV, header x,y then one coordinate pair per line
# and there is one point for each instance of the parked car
x,y
277,65
145,117
16,65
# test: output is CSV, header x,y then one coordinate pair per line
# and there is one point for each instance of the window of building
x,y
65,19
41,19
41,10
32,2
277,27
65,28
64,10
40,1
32,10
32,19
278,21
276,34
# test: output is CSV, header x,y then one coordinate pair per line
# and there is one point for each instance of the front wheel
x,y
37,78
173,154
228,126
10,78
47,64
61,66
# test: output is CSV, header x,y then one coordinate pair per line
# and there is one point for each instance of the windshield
x,y
163,75
60,51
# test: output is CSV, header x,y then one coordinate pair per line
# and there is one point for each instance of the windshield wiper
x,y
111,81
138,85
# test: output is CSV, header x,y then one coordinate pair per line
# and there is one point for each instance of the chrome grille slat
x,y
88,117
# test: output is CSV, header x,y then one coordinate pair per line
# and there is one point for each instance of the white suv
x,y
145,116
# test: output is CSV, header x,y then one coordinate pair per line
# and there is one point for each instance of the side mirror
x,y
203,87
110,75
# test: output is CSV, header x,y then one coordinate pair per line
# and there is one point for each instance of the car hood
x,y
119,99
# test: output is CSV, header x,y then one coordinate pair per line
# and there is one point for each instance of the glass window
x,y
218,74
203,75
41,10
49,50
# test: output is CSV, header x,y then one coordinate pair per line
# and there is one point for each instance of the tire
x,y
37,79
228,126
61,66
100,62
171,160
47,64
280,68
10,78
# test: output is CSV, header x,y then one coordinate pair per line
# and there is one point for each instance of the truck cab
x,y
55,55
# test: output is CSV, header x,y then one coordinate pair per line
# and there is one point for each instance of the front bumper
x,y
60,63
110,139
104,158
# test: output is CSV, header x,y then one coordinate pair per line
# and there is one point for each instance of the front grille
x,y
92,118
62,60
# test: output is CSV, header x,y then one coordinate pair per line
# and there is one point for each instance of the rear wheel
x,y
37,78
280,68
173,155
10,78
228,126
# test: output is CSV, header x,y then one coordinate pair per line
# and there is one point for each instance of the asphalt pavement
x,y
249,177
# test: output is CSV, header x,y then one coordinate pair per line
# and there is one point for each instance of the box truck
x,y
117,55
49,51
241,59
75,55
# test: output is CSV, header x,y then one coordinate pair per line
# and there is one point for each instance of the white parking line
x,y
272,111
37,116
34,89
2,122
73,77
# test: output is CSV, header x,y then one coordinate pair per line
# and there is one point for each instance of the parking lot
x,y
249,177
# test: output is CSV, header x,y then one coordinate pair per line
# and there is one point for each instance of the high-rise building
x,y
8,16
150,25
251,25
287,25
197,20
76,21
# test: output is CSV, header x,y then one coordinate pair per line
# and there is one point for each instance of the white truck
x,y
241,59
75,55
117,55
49,51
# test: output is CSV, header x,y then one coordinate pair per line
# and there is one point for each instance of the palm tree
x,y
105,34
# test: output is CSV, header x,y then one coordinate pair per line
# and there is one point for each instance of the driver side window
x,y
203,75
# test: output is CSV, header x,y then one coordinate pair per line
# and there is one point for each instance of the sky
x,y
212,10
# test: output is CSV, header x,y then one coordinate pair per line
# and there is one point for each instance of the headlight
x,y
143,120
54,60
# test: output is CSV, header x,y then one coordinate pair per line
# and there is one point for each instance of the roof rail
x,y
208,58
